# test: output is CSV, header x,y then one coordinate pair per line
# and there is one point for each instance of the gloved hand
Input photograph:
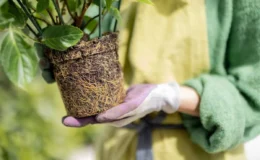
x,y
44,63
140,100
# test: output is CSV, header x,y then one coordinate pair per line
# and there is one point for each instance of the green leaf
x,y
96,2
61,37
91,24
115,13
42,5
2,2
39,49
30,3
74,4
10,14
109,3
146,1
18,59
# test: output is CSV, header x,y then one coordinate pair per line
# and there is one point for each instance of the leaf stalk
x,y
30,28
119,6
57,8
84,9
100,19
33,20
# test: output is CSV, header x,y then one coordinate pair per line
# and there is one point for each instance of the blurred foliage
x,y
30,119
30,123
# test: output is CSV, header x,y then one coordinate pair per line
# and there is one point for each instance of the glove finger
x,y
70,121
145,107
116,112
130,88
123,122
131,113
48,76
126,121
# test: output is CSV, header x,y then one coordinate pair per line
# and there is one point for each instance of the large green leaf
x,y
61,37
11,14
18,59
42,5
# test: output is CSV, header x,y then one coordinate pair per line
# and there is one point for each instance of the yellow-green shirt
x,y
212,46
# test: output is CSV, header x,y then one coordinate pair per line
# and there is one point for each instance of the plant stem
x,y
30,28
35,23
57,2
23,34
90,20
34,10
58,11
63,8
57,20
29,10
52,18
100,19
66,2
84,9
104,12
93,30
29,7
119,5
43,20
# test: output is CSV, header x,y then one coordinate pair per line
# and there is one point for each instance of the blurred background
x,y
31,128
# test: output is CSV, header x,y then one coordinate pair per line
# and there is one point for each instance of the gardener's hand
x,y
44,64
140,100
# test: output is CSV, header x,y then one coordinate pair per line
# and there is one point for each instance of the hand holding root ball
x,y
140,100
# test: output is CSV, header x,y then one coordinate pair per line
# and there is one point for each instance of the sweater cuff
x,y
221,123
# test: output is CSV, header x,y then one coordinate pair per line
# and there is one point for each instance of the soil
x,y
89,76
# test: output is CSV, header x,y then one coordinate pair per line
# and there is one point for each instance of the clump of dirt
x,y
89,76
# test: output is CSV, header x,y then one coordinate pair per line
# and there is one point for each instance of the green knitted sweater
x,y
230,92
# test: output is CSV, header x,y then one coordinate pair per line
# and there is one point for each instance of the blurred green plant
x,y
30,123
31,128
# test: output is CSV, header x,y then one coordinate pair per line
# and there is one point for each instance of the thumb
x,y
70,121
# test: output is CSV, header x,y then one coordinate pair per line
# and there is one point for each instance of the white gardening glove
x,y
141,100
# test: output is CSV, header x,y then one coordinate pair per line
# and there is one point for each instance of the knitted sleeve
x,y
230,93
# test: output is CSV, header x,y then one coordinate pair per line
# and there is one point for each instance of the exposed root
x,y
89,76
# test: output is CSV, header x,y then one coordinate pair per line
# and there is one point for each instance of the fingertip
x,y
63,118
70,121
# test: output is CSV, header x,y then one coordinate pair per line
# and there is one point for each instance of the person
x,y
196,70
